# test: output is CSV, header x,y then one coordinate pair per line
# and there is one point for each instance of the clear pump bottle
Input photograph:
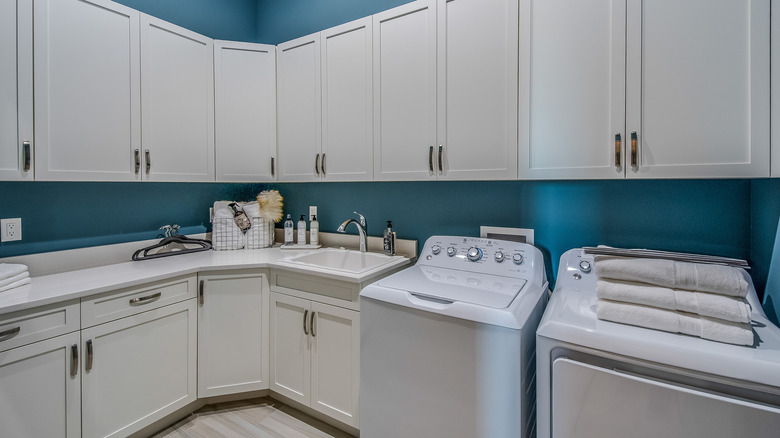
x,y
288,231
314,231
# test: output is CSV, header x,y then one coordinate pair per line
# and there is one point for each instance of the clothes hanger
x,y
172,244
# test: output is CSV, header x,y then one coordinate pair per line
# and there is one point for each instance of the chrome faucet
x,y
361,226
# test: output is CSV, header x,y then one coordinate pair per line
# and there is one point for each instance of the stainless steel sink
x,y
344,260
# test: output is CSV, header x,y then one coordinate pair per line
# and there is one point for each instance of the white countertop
x,y
54,288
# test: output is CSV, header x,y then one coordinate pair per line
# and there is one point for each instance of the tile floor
x,y
254,418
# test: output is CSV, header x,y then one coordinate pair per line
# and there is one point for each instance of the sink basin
x,y
344,260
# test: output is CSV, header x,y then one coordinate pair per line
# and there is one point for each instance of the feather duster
x,y
270,202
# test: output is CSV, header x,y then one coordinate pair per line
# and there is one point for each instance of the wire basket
x,y
261,235
226,235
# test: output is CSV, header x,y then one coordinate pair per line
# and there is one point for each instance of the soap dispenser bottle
x,y
314,231
302,231
389,239
288,231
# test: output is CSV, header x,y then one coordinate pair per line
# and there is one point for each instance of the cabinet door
x,y
177,76
698,88
245,112
405,92
477,89
775,104
40,389
16,97
87,90
298,92
572,88
138,369
347,138
290,351
232,334
335,369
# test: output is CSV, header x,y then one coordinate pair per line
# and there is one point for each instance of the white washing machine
x,y
447,345
603,379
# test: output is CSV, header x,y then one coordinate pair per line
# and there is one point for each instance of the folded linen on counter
x,y
675,322
8,270
701,303
15,284
723,280
14,279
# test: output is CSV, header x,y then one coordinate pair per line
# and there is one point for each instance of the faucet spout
x,y
361,231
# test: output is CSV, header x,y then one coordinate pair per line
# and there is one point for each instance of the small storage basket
x,y
261,235
226,235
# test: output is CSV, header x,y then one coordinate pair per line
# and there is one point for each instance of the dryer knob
x,y
451,251
517,258
474,254
585,266
436,249
499,256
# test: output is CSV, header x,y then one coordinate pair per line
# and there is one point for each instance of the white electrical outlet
x,y
10,229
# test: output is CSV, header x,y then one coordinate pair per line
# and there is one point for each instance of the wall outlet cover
x,y
10,229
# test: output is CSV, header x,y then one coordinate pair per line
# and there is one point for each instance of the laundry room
x,y
591,125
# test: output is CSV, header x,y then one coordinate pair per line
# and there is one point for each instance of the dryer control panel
x,y
489,256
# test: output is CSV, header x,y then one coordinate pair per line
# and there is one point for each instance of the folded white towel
x,y
15,284
14,279
717,279
675,322
8,270
700,303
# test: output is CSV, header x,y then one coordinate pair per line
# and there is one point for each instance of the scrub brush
x,y
270,202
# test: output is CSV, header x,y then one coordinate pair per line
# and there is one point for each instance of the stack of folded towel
x,y
702,300
13,275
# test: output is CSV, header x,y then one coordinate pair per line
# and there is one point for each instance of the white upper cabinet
x,y
177,70
298,108
696,93
405,92
775,92
16,90
347,136
87,90
477,89
245,111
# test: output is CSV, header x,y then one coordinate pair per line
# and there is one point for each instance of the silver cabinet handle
x,y
10,333
322,166
145,300
430,160
273,170
311,324
317,164
74,359
441,165
137,155
148,156
201,291
618,151
305,314
26,156
88,365
634,152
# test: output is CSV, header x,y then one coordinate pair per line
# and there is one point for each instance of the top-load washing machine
x,y
602,379
447,345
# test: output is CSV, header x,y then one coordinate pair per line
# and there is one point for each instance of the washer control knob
x,y
474,254
436,249
499,256
451,251
585,266
517,258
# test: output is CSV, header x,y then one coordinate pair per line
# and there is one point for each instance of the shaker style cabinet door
x,y
347,136
290,350
16,90
405,92
177,72
298,106
697,88
572,89
477,89
775,104
87,91
245,111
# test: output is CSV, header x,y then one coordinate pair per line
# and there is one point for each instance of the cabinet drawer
x,y
284,281
27,326
125,302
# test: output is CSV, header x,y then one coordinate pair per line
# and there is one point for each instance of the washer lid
x,y
452,285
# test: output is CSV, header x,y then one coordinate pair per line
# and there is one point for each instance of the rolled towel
x,y
8,270
675,322
15,284
717,279
14,279
701,303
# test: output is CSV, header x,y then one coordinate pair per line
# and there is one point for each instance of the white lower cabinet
x,y
315,355
232,333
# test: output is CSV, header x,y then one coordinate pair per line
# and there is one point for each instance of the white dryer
x,y
447,345
601,379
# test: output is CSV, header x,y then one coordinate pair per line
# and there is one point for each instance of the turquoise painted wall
x,y
764,214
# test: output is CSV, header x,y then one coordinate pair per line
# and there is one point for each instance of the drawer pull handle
x,y
88,365
201,291
634,152
322,167
10,333
305,314
74,359
148,156
273,166
317,164
137,155
430,160
618,150
441,163
145,300
311,324
26,154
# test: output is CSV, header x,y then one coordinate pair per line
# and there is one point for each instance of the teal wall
x,y
764,214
